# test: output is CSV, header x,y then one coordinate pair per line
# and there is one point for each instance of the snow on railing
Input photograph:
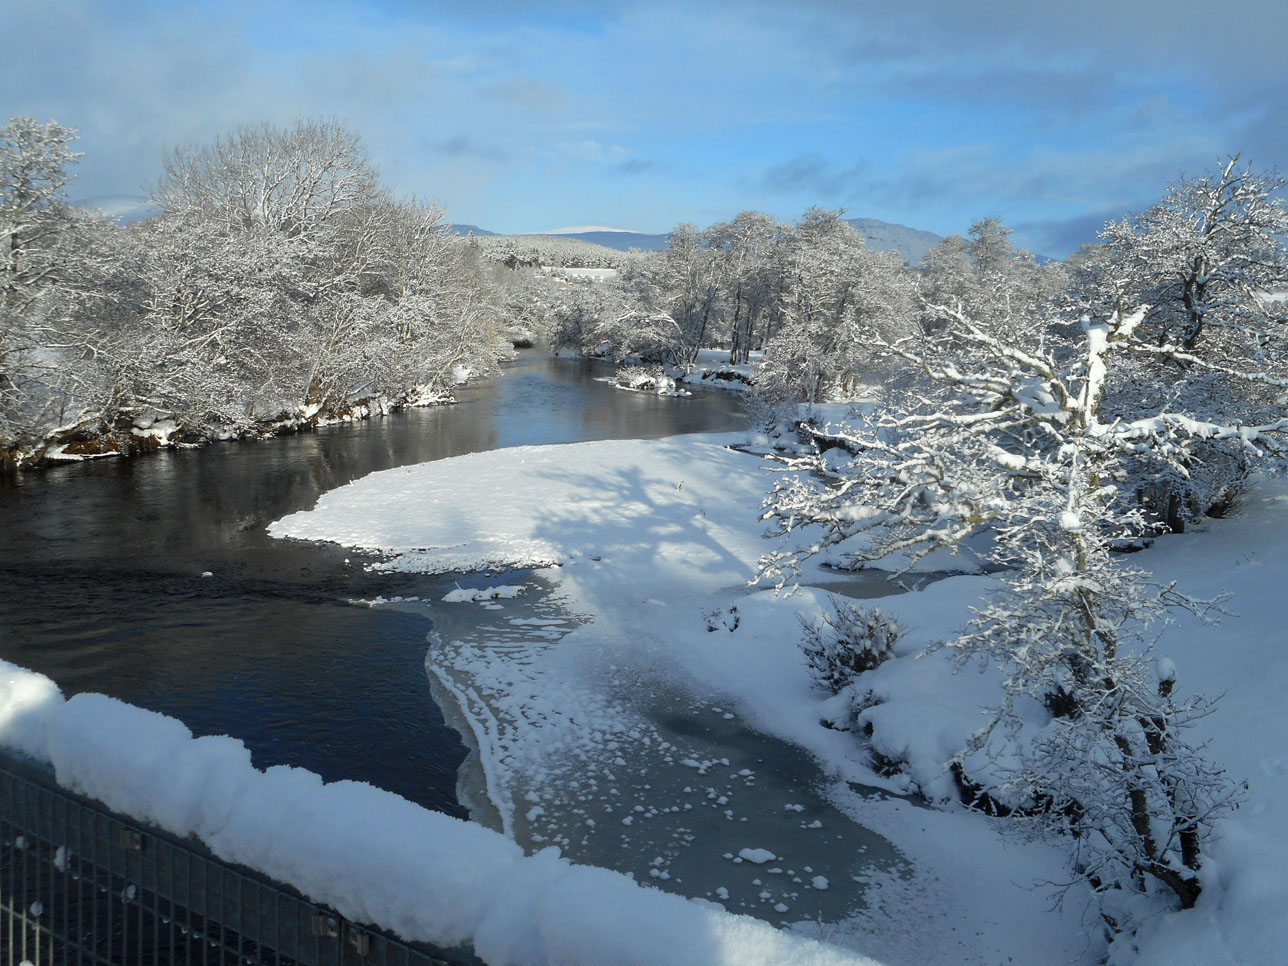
x,y
371,855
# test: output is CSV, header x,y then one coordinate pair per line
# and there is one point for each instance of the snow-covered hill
x,y
618,239
885,236
881,236
472,230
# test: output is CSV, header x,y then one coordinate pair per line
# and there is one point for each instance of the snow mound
x,y
541,506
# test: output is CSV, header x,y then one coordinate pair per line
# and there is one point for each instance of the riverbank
x,y
650,545
132,435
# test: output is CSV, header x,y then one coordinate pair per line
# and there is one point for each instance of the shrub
x,y
847,641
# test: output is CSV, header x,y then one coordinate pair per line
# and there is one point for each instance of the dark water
x,y
101,584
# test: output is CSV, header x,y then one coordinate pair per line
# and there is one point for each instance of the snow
x,y
541,506
26,701
1166,669
1239,917
372,855
624,527
591,274
713,370
569,719
465,594
634,378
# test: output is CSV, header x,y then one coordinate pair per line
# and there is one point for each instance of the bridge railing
x,y
81,884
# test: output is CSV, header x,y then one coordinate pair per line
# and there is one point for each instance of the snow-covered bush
x,y
646,378
845,641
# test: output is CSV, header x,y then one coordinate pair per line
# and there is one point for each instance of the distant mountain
x,y
881,236
579,230
620,240
885,236
472,230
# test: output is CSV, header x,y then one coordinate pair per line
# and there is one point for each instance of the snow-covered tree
x,y
745,245
1203,260
651,337
451,314
267,231
34,160
835,295
519,252
1203,265
34,219
211,348
1000,287
297,180
336,293
692,270
576,319
279,282
1008,448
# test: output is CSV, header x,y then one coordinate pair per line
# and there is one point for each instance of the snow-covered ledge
x,y
372,855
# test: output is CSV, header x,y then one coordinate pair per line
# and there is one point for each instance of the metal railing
x,y
80,884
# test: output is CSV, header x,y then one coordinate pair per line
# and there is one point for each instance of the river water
x,y
102,584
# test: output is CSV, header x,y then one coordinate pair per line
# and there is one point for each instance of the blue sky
x,y
527,116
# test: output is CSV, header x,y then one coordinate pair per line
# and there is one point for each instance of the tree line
x,y
280,284
806,295
827,318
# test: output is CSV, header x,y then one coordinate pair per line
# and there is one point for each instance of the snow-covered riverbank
x,y
649,546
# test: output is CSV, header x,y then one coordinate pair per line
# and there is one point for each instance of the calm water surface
x,y
101,584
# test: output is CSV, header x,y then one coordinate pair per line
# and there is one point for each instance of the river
x,y
103,568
